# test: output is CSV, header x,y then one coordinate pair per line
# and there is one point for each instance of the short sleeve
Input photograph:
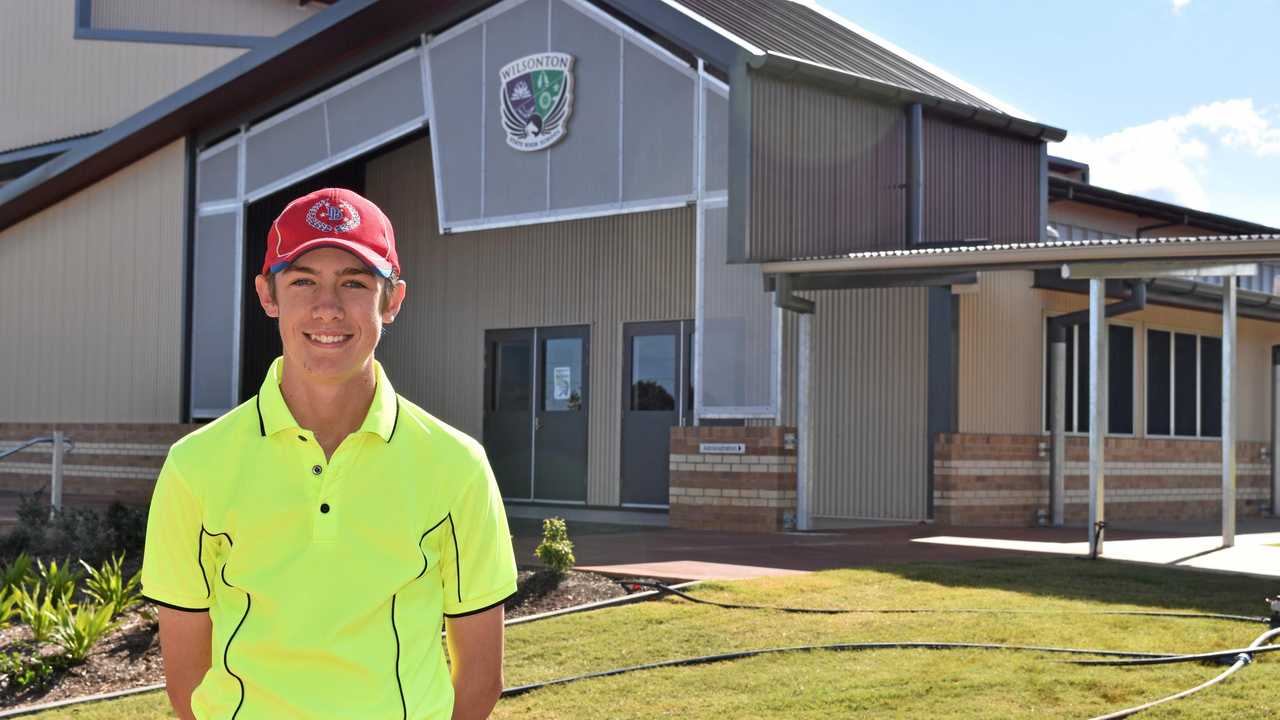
x,y
479,568
171,572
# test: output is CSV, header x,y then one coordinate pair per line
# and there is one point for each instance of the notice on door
x,y
563,379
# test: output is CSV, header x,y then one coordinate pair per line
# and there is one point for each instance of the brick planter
x,y
749,492
1004,479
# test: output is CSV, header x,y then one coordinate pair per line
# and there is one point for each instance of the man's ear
x,y
264,297
393,305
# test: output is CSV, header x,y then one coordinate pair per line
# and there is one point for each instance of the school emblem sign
x,y
537,97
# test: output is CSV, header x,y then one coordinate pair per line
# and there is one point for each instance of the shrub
x,y
78,629
126,528
38,611
16,573
25,672
33,511
555,550
108,587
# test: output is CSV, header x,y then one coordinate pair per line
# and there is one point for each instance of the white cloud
x,y
1178,5
1168,159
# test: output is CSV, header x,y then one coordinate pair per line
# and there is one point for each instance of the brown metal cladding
x,y
600,272
979,186
827,173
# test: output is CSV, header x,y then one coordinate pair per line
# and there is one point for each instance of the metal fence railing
x,y
61,446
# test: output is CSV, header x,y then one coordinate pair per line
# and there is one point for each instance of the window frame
x,y
1136,396
1173,406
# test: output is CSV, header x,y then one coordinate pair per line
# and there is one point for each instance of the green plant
x,y
37,609
108,587
27,671
58,581
78,630
16,573
126,527
555,550
8,605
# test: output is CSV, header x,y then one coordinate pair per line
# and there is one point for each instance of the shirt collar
x,y
274,414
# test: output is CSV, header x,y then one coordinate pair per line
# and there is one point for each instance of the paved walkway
x,y
693,555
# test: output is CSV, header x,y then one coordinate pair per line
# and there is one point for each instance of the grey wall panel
x,y
515,181
375,106
286,147
870,366
214,306
217,175
92,322
717,141
224,17
457,84
658,125
585,166
979,186
601,272
827,173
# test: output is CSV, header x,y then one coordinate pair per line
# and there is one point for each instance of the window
x,y
1120,384
1184,384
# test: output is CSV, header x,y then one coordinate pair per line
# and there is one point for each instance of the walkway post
x,y
1275,430
55,486
1097,412
1058,457
804,444
1228,411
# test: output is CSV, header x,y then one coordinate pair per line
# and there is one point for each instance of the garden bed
x,y
130,657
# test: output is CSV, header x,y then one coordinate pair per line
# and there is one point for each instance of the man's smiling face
x,y
328,303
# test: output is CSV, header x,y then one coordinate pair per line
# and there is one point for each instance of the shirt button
x,y
324,507
303,438
316,469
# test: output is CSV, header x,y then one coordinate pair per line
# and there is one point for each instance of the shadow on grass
x,y
1101,581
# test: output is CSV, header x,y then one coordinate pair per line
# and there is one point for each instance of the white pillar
x,y
804,423
1228,411
55,485
1097,410
1059,460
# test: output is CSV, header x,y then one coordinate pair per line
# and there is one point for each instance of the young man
x,y
303,548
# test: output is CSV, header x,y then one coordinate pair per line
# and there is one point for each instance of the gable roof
x,y
789,38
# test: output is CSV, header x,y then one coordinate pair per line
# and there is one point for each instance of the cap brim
x,y
375,262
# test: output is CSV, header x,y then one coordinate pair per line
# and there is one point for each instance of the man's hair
x,y
384,299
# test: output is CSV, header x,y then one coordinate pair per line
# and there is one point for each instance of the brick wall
x,y
110,461
1004,479
749,492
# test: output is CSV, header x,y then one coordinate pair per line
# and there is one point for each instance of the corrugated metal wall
x,y
870,397
827,173
1000,357
599,272
92,322
224,17
978,185
55,86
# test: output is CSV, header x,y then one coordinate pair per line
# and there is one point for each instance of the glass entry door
x,y
657,395
535,418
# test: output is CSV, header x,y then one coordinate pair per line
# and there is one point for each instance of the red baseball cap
x,y
332,217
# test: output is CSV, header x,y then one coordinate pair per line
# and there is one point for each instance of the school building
x,y
740,263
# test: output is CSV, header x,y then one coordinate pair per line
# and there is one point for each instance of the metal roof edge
x,y
1076,191
789,67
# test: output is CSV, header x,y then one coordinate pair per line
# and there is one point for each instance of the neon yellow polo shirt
x,y
326,581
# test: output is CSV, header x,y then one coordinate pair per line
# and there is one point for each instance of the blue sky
x,y
1173,99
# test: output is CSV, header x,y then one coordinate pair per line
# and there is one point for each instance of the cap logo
x,y
328,217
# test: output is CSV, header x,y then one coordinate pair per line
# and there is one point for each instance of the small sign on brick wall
x,y
722,448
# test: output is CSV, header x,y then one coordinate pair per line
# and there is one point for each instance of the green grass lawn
x,y
887,683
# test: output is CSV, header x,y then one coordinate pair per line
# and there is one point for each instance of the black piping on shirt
x,y
404,709
262,427
162,603
480,610
208,592
457,556
395,422
227,650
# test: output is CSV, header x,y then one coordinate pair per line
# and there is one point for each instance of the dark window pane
x,y
1210,387
653,372
1080,358
1158,412
562,378
1120,380
1184,384
514,373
